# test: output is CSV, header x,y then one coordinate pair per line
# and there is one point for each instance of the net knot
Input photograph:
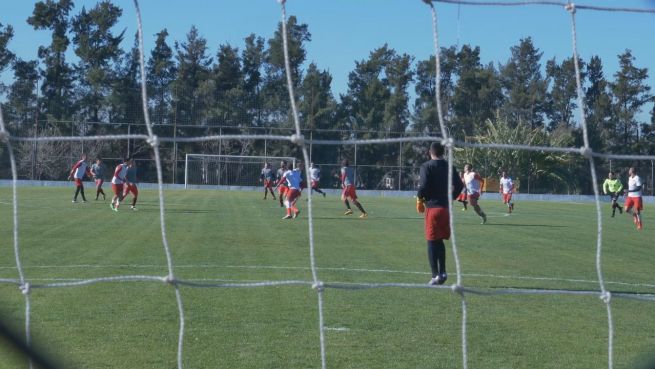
x,y
606,297
447,142
170,279
586,151
4,136
25,288
282,1
318,286
458,289
570,7
298,139
153,140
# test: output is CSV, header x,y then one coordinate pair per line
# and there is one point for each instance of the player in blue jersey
x,y
267,177
293,180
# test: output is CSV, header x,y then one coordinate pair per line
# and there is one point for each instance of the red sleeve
x,y
77,165
477,176
117,172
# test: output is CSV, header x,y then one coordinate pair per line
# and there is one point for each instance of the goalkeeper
x,y
432,199
613,187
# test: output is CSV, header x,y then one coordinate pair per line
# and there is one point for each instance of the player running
x,y
130,185
613,187
432,199
348,185
474,184
98,170
79,170
462,195
633,200
315,177
268,178
506,189
281,183
293,181
117,182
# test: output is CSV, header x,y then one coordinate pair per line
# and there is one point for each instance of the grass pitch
x,y
231,236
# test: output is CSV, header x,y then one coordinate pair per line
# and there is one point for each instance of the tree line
x,y
527,99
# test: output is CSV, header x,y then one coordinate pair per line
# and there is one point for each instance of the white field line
x,y
341,269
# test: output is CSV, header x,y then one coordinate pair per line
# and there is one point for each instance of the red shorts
x,y
461,197
268,183
635,202
131,188
292,195
99,182
437,224
349,191
314,184
507,197
282,190
117,188
473,198
78,182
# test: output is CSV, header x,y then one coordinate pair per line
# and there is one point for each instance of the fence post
x,y
311,147
355,159
128,139
175,154
400,167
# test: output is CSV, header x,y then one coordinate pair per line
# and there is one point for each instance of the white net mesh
x,y
316,283
228,170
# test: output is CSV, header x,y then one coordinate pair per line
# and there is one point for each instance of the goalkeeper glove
x,y
420,205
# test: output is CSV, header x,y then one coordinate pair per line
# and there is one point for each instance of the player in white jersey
x,y
474,184
633,197
117,182
315,177
79,170
293,181
506,189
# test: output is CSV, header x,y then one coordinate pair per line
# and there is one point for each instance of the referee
x,y
613,187
432,199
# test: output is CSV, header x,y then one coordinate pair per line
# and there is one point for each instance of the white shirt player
x,y
119,174
79,169
472,181
633,184
293,179
314,174
507,184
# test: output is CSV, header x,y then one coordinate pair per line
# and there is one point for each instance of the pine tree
x,y
161,71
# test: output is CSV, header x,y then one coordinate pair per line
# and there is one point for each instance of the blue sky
x,y
344,31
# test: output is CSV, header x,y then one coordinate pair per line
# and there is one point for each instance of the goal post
x,y
227,170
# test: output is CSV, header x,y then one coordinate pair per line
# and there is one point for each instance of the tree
x,y
629,94
161,71
98,49
524,87
598,106
192,70
252,60
22,98
227,94
562,99
56,100
124,100
317,105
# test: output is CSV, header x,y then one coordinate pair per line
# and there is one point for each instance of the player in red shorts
x,y
130,186
506,189
98,171
79,170
348,185
432,199
117,183
474,184
633,197
293,180
315,177
268,178
280,183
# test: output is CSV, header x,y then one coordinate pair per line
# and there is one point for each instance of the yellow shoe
x,y
364,215
348,212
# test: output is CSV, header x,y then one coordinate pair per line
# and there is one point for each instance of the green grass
x,y
227,236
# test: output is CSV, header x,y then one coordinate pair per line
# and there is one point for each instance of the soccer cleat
x,y
442,278
463,209
484,219
639,226
74,201
134,208
348,212
324,194
288,216
295,214
433,282
364,215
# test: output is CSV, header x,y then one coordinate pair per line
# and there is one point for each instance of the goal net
x,y
228,170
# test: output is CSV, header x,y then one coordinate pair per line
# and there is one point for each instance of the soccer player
x,y
130,184
98,170
348,185
315,176
293,182
633,200
117,182
432,199
281,183
613,187
268,178
79,170
474,184
462,196
506,189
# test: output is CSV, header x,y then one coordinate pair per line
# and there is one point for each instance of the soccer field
x,y
237,237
